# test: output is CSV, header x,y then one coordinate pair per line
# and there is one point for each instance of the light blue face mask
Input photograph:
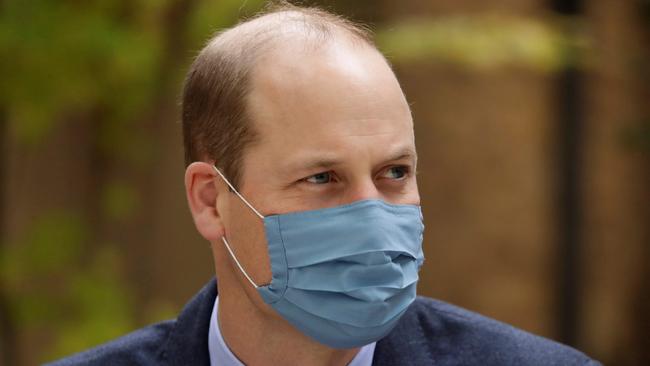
x,y
343,275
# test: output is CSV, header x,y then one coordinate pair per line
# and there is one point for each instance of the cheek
x,y
415,192
245,233
410,194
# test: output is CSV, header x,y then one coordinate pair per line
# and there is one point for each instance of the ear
x,y
202,194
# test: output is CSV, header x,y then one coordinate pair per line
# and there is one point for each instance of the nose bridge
x,y
362,188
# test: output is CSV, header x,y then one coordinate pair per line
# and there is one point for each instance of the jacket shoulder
x,y
437,332
141,347
182,341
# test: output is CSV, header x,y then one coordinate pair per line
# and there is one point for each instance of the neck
x,y
261,337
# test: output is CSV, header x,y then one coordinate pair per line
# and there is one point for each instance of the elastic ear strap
x,y
223,238
237,193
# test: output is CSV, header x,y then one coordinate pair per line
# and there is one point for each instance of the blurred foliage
x,y
486,41
104,63
119,200
61,56
636,137
56,284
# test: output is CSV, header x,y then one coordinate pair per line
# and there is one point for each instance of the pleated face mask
x,y
342,275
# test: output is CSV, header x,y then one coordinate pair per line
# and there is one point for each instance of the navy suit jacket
x,y
430,333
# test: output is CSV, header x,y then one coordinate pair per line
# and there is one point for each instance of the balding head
x,y
300,109
216,120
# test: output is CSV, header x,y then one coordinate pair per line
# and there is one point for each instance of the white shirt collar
x,y
221,355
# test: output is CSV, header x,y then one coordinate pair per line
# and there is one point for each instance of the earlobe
x,y
202,195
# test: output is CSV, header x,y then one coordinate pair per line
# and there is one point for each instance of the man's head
x,y
216,119
300,111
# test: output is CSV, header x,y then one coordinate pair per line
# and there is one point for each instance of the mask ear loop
x,y
237,193
223,238
225,242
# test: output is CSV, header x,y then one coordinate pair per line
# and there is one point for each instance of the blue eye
x,y
320,178
396,172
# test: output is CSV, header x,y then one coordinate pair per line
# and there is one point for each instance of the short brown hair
x,y
216,125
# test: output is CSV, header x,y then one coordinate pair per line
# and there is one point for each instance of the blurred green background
x,y
532,124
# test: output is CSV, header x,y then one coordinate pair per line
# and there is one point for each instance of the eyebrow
x,y
322,161
313,163
404,153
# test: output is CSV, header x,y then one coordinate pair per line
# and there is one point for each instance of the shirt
x,y
220,354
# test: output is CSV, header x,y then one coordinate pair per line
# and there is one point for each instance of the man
x,y
301,174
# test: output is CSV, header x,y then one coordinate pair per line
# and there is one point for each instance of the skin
x,y
334,128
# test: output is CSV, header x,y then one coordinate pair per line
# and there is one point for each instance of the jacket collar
x,y
187,343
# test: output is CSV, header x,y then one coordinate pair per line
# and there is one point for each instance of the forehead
x,y
302,96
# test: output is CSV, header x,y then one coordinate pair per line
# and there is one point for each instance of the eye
x,y
320,178
396,172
